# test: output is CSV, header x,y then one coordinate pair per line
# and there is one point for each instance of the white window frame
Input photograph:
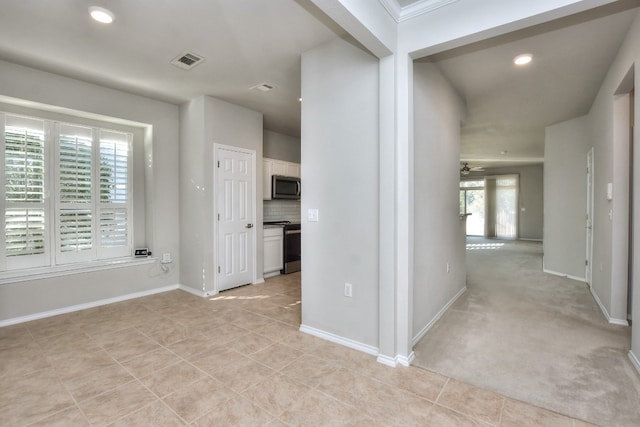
x,y
53,260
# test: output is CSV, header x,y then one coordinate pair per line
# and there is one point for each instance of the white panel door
x,y
236,231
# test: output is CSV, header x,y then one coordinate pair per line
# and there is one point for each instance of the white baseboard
x,y
530,240
612,320
258,281
437,317
568,276
398,360
386,360
92,304
406,360
634,361
196,292
272,274
347,342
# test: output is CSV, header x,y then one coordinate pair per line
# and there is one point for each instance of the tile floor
x,y
235,359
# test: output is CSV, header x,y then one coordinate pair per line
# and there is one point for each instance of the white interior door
x,y
235,173
589,222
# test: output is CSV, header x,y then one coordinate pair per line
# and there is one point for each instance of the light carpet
x,y
534,337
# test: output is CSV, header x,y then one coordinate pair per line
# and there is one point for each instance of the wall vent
x,y
187,60
263,87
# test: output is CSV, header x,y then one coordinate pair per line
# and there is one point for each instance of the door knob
x,y
249,226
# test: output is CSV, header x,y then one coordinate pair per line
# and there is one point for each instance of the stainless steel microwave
x,y
285,187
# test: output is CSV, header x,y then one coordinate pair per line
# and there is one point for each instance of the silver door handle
x,y
249,226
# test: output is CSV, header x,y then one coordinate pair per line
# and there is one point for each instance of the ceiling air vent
x,y
187,60
263,87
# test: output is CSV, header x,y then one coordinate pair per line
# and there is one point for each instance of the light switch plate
x,y
312,215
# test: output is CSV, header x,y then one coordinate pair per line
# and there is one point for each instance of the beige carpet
x,y
534,337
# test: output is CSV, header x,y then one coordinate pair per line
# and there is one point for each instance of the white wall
x,y
438,230
565,196
161,146
530,197
611,162
205,121
396,45
196,178
281,147
340,175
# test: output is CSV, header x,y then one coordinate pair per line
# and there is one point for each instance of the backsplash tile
x,y
281,210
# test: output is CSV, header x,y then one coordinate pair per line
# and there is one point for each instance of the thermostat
x,y
142,252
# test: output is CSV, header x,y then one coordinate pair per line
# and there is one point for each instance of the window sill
x,y
65,270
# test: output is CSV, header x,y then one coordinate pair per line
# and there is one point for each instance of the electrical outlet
x,y
348,290
166,258
448,268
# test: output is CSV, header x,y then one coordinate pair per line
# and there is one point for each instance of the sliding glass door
x,y
472,203
492,202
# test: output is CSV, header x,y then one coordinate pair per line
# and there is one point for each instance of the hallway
x,y
533,337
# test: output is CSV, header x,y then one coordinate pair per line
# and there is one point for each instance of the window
x,y
492,204
67,193
472,203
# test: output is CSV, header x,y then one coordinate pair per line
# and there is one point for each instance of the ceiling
x,y
244,43
248,42
508,107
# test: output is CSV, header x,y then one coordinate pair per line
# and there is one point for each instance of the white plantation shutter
x,y
113,228
75,164
114,167
90,216
24,232
24,163
114,203
75,230
75,201
23,190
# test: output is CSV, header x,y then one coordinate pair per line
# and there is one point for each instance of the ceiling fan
x,y
465,169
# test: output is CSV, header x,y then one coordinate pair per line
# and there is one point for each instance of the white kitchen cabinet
x,y
293,169
272,167
280,167
273,256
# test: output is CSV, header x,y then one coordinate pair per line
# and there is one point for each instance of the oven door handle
x,y
293,232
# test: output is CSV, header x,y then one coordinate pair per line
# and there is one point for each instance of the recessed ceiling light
x,y
523,59
101,14
299,99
